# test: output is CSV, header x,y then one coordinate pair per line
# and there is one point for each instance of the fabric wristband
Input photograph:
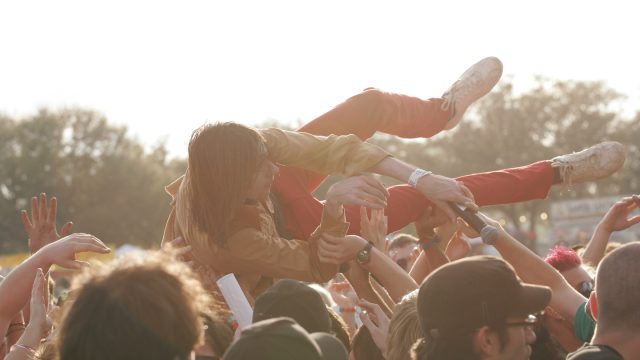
x,y
416,175
427,244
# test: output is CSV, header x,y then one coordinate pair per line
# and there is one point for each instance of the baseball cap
x,y
294,299
283,339
469,293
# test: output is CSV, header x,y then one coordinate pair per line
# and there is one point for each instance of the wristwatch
x,y
363,257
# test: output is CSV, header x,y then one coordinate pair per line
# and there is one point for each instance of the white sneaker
x,y
475,83
596,162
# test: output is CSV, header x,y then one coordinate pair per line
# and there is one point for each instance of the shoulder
x,y
595,352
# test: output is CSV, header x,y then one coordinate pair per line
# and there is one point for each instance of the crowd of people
x,y
321,276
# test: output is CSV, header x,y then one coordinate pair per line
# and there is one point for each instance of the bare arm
x,y
439,189
41,228
361,283
432,256
616,219
16,287
348,155
532,269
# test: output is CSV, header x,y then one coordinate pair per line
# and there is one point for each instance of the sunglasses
x,y
585,288
528,323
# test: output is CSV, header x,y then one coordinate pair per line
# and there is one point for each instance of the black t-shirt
x,y
595,352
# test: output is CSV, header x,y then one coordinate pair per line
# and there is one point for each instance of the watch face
x,y
363,256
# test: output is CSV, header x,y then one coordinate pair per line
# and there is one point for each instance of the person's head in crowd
x,y
404,250
617,294
363,347
282,338
293,299
404,328
477,308
545,347
141,306
324,294
228,166
339,328
569,264
218,335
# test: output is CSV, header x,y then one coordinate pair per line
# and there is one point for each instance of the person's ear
x,y
592,306
487,342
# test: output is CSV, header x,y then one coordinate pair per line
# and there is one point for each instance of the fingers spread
x,y
66,229
25,220
53,210
42,210
34,209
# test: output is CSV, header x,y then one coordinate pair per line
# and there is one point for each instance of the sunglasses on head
x,y
585,288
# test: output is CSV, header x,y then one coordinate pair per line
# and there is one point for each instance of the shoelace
x,y
456,90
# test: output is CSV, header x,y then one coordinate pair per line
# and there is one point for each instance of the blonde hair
x,y
404,328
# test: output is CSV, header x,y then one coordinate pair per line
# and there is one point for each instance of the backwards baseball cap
x,y
473,292
282,339
294,299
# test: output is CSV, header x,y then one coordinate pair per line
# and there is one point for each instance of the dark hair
x,y
545,348
223,163
218,334
458,346
363,346
339,328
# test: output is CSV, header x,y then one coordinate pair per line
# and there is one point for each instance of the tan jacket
x,y
255,253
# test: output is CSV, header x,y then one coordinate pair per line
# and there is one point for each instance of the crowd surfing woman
x,y
222,207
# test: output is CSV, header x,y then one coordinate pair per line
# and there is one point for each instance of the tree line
x,y
109,184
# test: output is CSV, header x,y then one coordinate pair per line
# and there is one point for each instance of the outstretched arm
x,y
342,249
616,219
347,154
437,188
16,287
532,269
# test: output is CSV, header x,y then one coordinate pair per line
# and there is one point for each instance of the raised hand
x,y
63,252
377,322
41,228
374,229
458,246
337,250
617,218
359,190
39,308
431,218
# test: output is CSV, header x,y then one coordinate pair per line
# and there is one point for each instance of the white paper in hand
x,y
236,300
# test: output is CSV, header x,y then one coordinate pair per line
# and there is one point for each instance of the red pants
x,y
408,117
